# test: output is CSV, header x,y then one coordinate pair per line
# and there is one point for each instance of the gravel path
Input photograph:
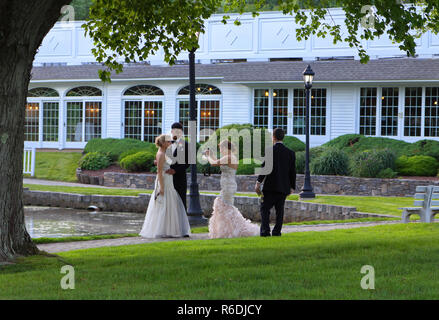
x,y
76,245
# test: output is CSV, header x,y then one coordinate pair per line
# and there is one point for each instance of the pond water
x,y
60,222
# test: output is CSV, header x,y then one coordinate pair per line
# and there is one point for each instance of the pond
x,y
61,222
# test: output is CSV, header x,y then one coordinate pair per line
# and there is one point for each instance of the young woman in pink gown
x,y
226,220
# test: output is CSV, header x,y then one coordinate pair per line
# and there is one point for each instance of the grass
x,y
380,205
88,190
60,166
308,265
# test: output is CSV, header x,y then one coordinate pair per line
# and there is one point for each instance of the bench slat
x,y
410,208
420,195
419,203
421,188
434,203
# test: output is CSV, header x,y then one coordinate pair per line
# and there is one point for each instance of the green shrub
x,y
331,162
417,166
387,174
425,148
344,141
128,153
294,143
115,147
138,162
94,161
248,168
354,143
313,153
370,163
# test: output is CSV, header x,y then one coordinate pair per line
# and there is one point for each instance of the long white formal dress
x,y
226,220
165,216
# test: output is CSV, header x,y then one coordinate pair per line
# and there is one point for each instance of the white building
x,y
245,74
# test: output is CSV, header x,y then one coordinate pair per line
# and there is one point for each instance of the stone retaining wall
x,y
249,206
322,184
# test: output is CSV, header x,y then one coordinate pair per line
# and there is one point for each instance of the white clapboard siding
x,y
343,102
236,104
114,109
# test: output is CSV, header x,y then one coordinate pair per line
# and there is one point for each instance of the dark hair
x,y
177,125
279,134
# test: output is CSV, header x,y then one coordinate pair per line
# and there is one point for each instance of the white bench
x,y
427,197
29,161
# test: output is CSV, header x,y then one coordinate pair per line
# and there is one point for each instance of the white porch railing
x,y
29,161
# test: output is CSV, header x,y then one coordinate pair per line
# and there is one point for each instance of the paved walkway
x,y
64,183
76,245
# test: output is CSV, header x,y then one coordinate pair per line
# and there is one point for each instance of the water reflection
x,y
61,222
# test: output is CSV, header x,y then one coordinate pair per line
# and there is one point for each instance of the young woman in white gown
x,y
166,215
226,220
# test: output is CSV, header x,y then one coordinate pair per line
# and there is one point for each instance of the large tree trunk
x,y
23,25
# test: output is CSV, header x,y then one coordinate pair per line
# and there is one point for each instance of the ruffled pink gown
x,y
226,220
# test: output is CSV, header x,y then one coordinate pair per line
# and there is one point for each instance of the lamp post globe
x,y
307,190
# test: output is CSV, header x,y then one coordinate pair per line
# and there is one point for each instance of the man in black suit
x,y
180,149
277,185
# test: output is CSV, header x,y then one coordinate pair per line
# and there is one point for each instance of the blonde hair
x,y
161,139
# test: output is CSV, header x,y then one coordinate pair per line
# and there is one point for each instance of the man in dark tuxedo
x,y
277,185
180,149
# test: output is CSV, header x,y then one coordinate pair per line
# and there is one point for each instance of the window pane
x,y
133,119
413,112
431,125
209,116
318,112
184,115
50,121
260,106
299,111
389,111
31,122
93,116
368,102
74,122
153,120
280,109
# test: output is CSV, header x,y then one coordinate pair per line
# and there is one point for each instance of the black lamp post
x,y
194,212
307,191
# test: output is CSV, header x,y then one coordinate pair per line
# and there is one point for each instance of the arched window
x,y
143,90
200,88
84,114
42,92
42,115
143,112
84,91
208,106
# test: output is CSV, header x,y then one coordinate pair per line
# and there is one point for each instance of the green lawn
x,y
87,190
60,166
308,265
381,205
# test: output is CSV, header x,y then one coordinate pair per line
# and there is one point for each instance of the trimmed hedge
x,y
294,143
115,147
94,161
139,162
417,166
